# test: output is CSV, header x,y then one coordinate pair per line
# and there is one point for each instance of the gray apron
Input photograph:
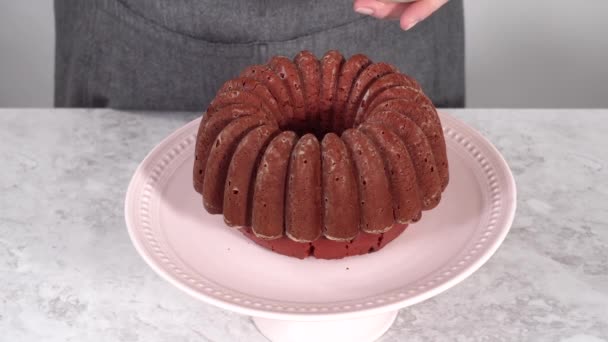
x,y
175,54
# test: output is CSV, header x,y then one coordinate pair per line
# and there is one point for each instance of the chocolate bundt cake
x,y
329,158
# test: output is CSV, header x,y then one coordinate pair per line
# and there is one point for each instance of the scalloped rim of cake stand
x,y
453,128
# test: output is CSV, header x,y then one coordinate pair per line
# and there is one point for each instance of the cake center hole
x,y
316,127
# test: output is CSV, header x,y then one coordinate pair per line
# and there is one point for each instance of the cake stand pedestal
x,y
364,329
291,300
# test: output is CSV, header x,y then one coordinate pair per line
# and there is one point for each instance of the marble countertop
x,y
68,271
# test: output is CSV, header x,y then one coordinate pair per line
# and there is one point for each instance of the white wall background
x,y
520,53
27,39
537,53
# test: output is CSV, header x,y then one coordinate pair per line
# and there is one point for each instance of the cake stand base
x,y
366,329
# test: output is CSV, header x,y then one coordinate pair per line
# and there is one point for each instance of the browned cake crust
x,y
268,219
360,86
340,197
400,170
255,87
419,151
399,92
303,209
238,190
348,74
381,162
211,125
219,159
425,117
277,87
310,73
429,117
289,73
331,63
378,86
233,97
375,200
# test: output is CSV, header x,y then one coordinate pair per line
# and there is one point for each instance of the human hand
x,y
408,13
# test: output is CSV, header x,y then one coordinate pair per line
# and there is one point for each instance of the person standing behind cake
x,y
175,54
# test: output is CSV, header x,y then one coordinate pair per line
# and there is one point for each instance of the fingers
x,y
409,14
379,9
418,11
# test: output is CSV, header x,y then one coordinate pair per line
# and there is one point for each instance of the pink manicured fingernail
x,y
364,10
410,25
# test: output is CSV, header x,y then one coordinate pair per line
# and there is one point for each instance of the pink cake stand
x,y
353,299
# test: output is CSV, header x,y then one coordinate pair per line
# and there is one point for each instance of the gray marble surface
x,y
68,271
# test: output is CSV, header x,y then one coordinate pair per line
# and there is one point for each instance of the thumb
x,y
418,11
379,9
